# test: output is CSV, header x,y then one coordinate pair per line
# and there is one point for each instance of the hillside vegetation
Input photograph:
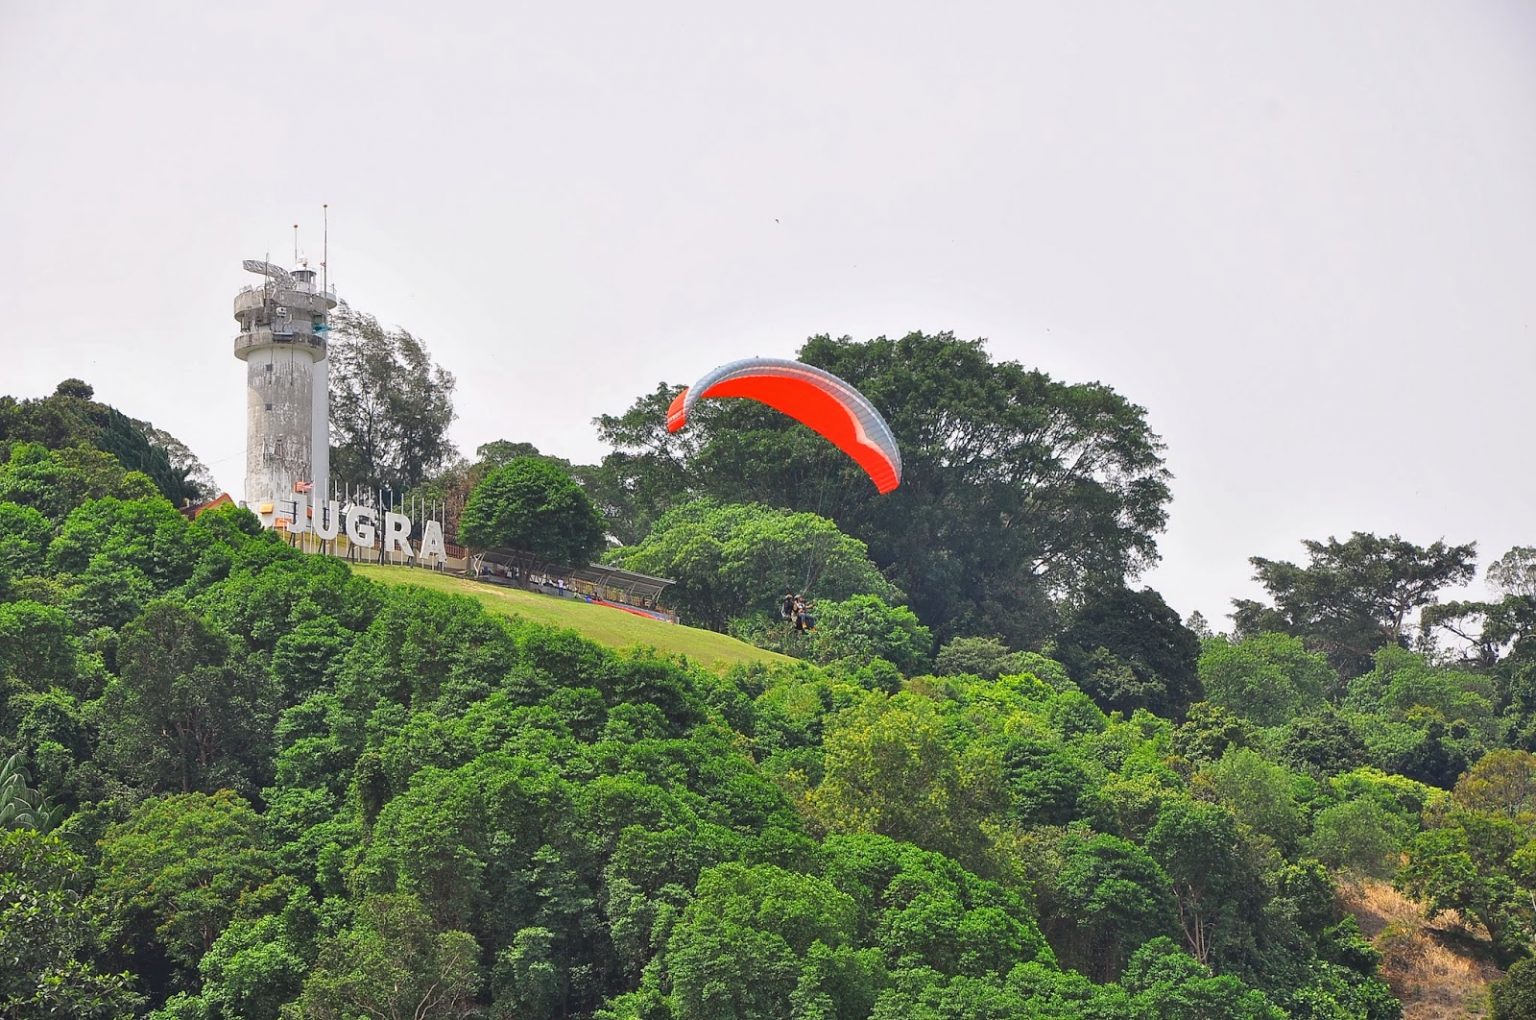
x,y
997,781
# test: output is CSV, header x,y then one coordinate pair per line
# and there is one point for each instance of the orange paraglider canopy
x,y
812,396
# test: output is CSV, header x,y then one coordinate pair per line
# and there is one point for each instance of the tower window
x,y
269,407
269,366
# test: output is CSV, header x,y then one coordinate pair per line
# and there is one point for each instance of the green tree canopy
x,y
24,537
1354,596
860,629
393,962
1514,573
752,938
390,405
889,769
1260,794
54,482
734,560
1514,997
70,418
1018,488
1359,836
187,714
1112,897
1129,650
170,877
1269,678
986,657
45,935
1402,685
533,505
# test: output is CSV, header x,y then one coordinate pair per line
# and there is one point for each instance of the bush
x,y
1514,998
533,505
985,657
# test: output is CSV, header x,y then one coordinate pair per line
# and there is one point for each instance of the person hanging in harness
x,y
804,621
787,606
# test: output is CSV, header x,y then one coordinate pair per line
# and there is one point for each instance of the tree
x,y
501,452
1197,846
1018,488
888,769
390,405
735,560
36,645
259,961
1324,743
1514,573
1449,869
1169,984
1355,596
24,536
185,714
1199,625
54,482
144,535
1110,898
1269,678
1360,836
1503,783
196,480
1143,638
986,657
529,981
1403,686
1260,794
119,554
395,964
864,628
1209,731
1514,997
448,490
1488,630
70,418
170,876
926,914
533,505
22,807
1045,784
746,943
46,935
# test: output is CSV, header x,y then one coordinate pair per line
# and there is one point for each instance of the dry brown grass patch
x,y
1439,971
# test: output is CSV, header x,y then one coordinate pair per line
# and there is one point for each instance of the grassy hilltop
x,y
602,624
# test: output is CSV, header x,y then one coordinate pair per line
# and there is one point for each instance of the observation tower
x,y
283,325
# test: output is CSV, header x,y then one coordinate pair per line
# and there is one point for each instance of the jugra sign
x,y
328,519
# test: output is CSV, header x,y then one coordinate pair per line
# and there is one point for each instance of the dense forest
x,y
1000,780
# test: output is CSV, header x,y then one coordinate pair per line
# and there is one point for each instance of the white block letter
x,y
327,520
360,527
432,541
397,529
298,525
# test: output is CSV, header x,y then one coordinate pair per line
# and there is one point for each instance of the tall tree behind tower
x,y
390,405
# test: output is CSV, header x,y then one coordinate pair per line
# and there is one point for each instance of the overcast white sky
x,y
1301,234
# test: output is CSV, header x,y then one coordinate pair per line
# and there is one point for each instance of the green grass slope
x,y
606,626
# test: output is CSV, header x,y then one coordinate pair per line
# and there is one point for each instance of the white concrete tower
x,y
283,324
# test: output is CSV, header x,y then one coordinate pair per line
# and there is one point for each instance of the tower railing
x,y
297,288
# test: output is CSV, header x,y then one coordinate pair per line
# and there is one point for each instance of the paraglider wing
x,y
815,398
